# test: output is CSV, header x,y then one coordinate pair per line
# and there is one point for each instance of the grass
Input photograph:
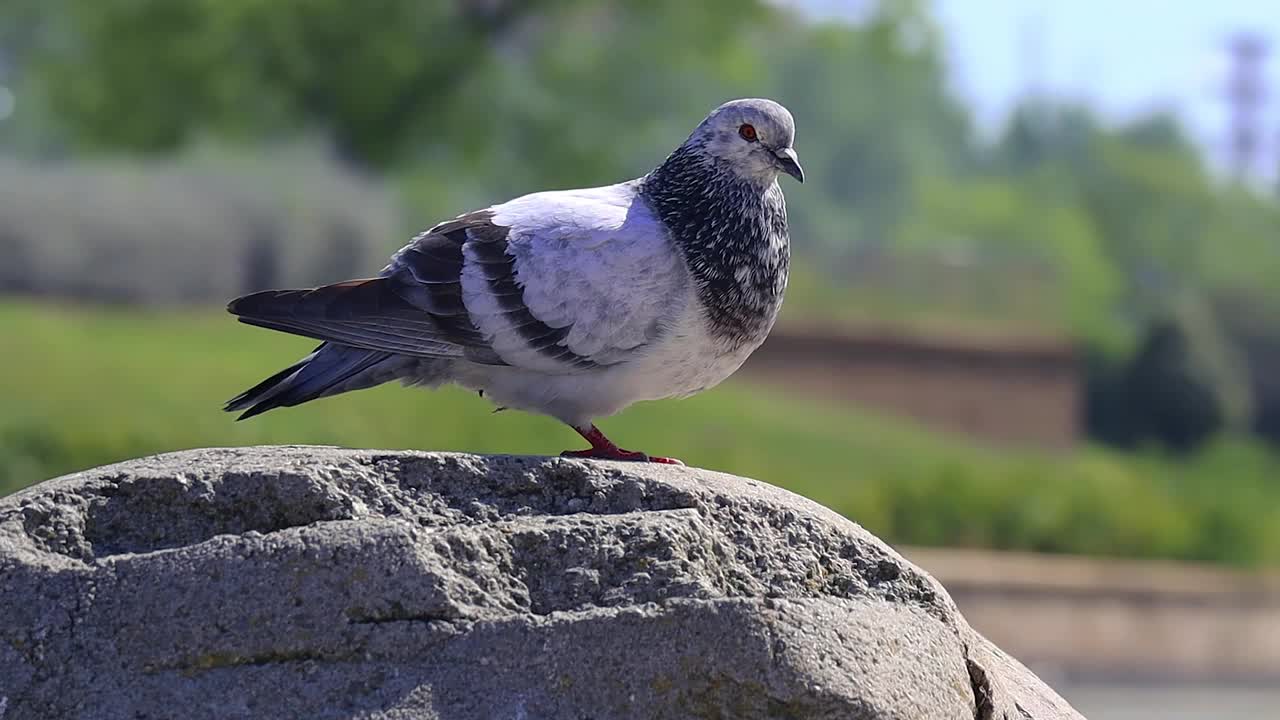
x,y
84,387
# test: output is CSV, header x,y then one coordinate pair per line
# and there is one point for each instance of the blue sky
x,y
1124,57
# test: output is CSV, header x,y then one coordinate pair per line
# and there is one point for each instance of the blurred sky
x,y
1124,57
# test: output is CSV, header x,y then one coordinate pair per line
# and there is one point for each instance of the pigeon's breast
x,y
732,234
740,265
692,358
742,303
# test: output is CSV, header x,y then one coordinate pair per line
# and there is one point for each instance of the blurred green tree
x,y
146,75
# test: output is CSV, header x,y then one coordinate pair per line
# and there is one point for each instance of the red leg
x,y
602,448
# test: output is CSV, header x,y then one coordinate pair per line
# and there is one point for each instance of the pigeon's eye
x,y
748,132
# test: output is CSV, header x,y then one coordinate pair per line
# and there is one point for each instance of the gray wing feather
x,y
414,308
578,279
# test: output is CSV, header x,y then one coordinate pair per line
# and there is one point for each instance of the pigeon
x,y
568,303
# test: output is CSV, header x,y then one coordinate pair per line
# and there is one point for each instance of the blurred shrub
x,y
1178,390
203,228
1178,405
1109,415
1217,504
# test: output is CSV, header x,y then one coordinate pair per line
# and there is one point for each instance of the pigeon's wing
x,y
556,282
564,281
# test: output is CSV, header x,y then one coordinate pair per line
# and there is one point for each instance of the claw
x,y
602,448
665,460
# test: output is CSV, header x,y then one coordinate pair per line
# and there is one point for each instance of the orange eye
x,y
748,132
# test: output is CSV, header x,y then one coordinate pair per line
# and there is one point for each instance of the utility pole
x,y
1246,99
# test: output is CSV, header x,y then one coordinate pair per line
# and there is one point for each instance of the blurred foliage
x,y
156,376
1092,229
371,74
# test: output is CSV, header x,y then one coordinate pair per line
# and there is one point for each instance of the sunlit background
x,y
1033,330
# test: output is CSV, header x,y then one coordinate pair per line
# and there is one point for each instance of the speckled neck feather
x,y
733,234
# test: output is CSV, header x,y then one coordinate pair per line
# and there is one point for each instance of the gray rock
x,y
324,583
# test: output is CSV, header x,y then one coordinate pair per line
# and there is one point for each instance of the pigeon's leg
x,y
602,448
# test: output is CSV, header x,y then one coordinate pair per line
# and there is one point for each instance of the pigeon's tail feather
x,y
259,392
366,314
330,370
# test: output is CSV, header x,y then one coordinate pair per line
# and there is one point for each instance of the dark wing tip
x,y
245,304
242,304
260,302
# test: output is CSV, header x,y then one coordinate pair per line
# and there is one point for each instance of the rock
x,y
322,583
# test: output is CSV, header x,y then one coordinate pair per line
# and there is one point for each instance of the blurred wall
x,y
1118,620
1021,392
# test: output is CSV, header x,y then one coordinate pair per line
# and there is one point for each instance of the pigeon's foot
x,y
602,448
619,454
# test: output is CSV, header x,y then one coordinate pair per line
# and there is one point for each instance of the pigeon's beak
x,y
789,163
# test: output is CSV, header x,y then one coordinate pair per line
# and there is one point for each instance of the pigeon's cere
x,y
574,303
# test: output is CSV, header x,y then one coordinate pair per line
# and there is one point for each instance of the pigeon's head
x,y
753,137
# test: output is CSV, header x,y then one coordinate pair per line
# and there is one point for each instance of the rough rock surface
x,y
323,583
